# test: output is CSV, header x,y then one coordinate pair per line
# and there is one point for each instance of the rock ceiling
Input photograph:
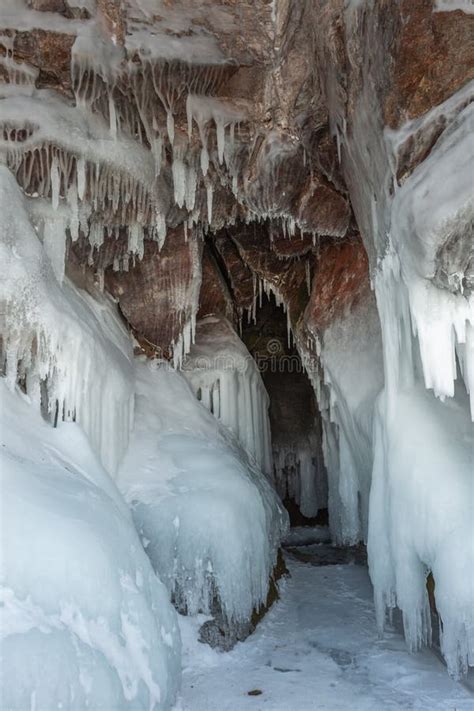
x,y
198,151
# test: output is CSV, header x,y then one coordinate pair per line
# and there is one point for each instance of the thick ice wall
x,y
224,376
351,378
70,349
410,188
421,521
85,621
420,506
208,518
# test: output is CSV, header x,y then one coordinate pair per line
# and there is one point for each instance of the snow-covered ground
x,y
317,649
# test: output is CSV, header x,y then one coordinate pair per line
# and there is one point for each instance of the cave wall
x,y
191,160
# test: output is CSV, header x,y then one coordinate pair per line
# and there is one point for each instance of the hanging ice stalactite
x,y
135,240
55,182
179,173
210,194
204,110
81,177
112,115
191,184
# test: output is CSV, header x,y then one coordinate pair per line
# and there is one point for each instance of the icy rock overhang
x,y
432,228
155,117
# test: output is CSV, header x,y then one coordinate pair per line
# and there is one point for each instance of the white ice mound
x,y
209,520
85,622
225,378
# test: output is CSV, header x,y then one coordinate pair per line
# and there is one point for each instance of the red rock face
x,y
158,293
50,52
340,280
215,297
239,274
323,210
285,246
432,57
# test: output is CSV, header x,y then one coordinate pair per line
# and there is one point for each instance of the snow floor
x,y
304,535
317,648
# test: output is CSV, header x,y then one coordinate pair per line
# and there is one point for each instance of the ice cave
x,y
237,355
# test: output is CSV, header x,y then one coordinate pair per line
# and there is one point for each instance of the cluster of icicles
x,y
101,197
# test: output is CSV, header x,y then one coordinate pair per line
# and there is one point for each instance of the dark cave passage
x,y
296,431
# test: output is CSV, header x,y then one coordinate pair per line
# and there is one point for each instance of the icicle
x,y
55,182
170,126
73,204
220,132
204,160
185,227
308,276
178,170
81,178
191,182
96,235
112,115
161,229
135,240
209,190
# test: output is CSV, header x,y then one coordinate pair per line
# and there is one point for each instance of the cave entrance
x,y
299,473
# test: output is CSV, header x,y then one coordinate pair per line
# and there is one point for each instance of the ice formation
x,y
225,378
71,350
84,620
347,382
209,520
426,214
300,475
421,497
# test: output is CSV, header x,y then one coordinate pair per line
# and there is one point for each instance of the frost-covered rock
x,y
209,520
85,622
